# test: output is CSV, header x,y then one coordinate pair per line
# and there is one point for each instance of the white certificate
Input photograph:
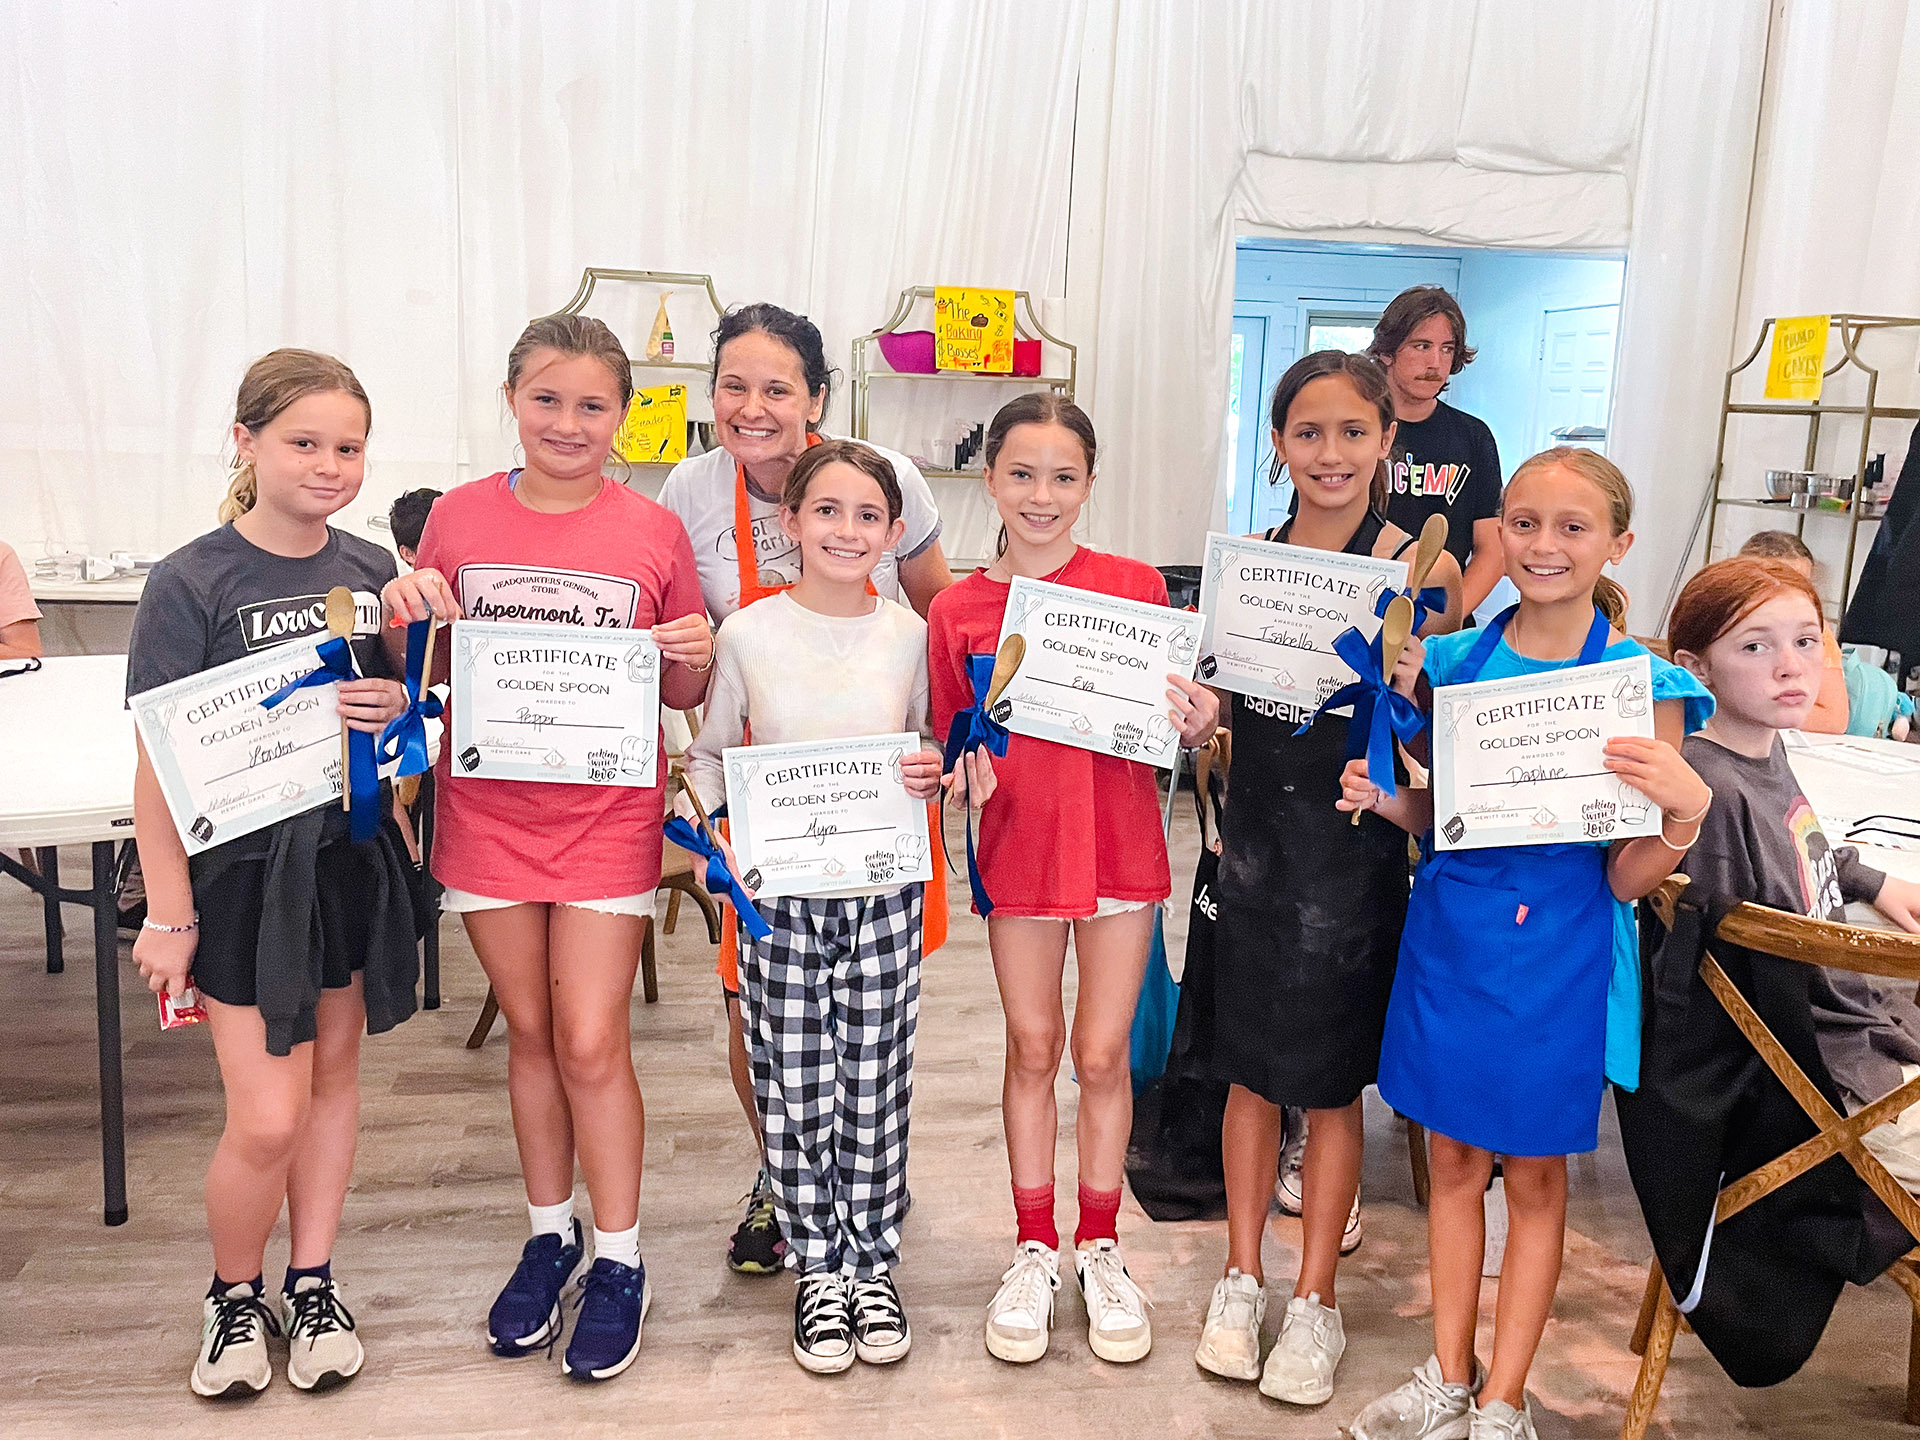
x,y
1096,667
829,816
227,764
1273,612
569,704
1520,762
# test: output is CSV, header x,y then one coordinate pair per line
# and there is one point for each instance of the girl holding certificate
x,y
553,880
1517,992
1302,983
829,997
1070,840
295,938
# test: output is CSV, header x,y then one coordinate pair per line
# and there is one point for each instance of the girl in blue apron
x,y
1517,991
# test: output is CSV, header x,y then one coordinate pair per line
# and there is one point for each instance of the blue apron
x,y
1496,1031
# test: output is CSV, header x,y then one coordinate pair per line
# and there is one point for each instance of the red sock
x,y
1099,1209
1033,1207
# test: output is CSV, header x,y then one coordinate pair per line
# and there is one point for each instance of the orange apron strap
x,y
933,909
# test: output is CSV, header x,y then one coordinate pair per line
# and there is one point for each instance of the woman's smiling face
x,y
761,408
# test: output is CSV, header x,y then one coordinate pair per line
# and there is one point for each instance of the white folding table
x,y
1848,780
66,778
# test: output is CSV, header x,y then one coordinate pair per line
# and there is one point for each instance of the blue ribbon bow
x,y
362,780
1430,601
1381,714
972,729
405,738
719,878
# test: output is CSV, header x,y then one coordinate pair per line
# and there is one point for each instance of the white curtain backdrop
x,y
196,182
193,184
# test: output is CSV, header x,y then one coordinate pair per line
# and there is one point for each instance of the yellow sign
x,y
973,329
1799,358
655,430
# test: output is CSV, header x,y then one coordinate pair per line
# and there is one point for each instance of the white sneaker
x,y
1117,1328
1312,1340
1286,1190
1351,1237
1425,1408
1230,1340
322,1348
1021,1314
1496,1208
1497,1420
233,1343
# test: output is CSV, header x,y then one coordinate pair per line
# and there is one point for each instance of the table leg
x,y
106,982
48,859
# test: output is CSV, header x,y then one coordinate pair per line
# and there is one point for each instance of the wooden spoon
x,y
1394,630
699,810
340,627
1013,650
1433,539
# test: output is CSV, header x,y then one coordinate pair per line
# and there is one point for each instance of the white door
x,y
1574,390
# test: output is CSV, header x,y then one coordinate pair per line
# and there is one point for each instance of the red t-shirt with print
x,y
1065,827
621,562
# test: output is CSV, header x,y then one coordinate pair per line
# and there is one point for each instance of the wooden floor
x,y
98,1327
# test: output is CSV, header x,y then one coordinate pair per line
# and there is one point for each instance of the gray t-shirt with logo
x,y
222,597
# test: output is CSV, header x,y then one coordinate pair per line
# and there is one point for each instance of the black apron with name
x,y
1311,907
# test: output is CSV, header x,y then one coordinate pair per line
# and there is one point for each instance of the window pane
x,y
1352,336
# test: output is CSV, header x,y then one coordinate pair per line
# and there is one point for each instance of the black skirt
x,y
273,938
1311,909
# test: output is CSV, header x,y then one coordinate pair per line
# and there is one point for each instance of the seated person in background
x,y
407,517
1829,713
19,616
1751,630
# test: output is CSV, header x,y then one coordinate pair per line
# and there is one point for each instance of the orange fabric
x,y
933,926
1830,712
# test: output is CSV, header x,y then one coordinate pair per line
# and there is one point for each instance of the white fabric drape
x,y
192,184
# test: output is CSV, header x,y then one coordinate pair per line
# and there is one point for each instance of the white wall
x,y
1505,295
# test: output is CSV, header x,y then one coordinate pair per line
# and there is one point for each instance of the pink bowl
x,y
909,352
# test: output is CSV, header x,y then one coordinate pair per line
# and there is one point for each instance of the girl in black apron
x,y
1311,908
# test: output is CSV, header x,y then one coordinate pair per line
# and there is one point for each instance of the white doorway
x,y
1575,390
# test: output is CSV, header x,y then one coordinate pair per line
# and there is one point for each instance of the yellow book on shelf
x,y
1798,360
655,430
973,329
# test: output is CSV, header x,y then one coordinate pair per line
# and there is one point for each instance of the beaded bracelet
x,y
186,929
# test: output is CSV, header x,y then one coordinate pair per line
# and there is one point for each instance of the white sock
x,y
552,1219
621,1245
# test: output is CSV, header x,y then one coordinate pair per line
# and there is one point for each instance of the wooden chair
x,y
676,875
1865,951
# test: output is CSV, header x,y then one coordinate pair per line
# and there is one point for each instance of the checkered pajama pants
x,y
829,1002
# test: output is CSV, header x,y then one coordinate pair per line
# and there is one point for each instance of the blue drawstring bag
x,y
1154,1013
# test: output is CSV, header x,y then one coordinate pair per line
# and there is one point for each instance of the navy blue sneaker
x,y
527,1314
613,1303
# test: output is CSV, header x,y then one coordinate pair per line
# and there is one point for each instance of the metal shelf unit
x,y
1851,329
1027,327
664,279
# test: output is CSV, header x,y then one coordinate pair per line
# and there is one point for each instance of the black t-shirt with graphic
x,y
1761,841
1446,464
221,597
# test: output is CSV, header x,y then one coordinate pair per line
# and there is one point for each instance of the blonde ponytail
x,y
271,384
1605,476
242,491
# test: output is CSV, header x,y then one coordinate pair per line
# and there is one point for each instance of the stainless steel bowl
x,y
1781,484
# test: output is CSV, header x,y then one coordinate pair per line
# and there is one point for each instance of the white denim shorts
x,y
465,902
1103,907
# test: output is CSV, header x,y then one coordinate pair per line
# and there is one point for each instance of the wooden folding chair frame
x,y
1887,954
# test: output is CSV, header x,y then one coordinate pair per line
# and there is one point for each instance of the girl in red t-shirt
x,y
1067,838
554,881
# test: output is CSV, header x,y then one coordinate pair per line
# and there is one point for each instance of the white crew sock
x,y
552,1219
621,1245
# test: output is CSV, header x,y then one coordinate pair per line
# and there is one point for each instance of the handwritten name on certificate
x,y
1273,611
1520,762
568,704
227,764
1096,667
825,817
